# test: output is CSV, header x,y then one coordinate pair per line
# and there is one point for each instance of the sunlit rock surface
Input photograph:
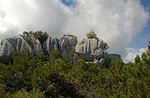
x,y
10,45
92,49
65,45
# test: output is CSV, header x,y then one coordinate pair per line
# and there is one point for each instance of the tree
x,y
39,76
91,34
41,36
137,59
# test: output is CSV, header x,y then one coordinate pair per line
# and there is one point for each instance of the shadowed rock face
x,y
67,44
64,44
52,43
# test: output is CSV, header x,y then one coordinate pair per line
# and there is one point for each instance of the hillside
x,y
42,66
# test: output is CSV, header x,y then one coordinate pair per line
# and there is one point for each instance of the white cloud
x,y
131,53
47,15
116,21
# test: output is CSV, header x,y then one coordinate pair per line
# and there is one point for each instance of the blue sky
x,y
143,37
141,40
69,2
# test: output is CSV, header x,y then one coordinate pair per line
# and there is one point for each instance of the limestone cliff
x,y
91,48
65,44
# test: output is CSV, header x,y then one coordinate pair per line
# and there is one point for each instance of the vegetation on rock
x,y
28,37
91,34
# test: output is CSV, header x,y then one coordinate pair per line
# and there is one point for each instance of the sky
x,y
123,24
143,37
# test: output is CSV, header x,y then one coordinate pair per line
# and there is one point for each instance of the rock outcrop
x,y
93,49
52,43
10,45
65,44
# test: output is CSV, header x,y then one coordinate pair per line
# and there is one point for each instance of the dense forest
x,y
53,76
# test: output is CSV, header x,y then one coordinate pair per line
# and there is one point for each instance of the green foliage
x,y
137,59
105,45
148,46
54,77
24,94
91,35
28,36
41,36
145,57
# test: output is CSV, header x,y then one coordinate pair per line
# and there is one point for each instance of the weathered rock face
x,y
10,45
92,49
6,48
52,43
65,45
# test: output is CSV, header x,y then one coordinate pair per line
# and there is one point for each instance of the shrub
x,y
91,35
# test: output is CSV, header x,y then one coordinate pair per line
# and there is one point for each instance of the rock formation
x,y
10,45
52,43
65,44
92,48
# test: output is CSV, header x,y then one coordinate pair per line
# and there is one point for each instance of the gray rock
x,y
37,46
33,43
52,43
6,48
92,49
9,45
21,44
67,44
